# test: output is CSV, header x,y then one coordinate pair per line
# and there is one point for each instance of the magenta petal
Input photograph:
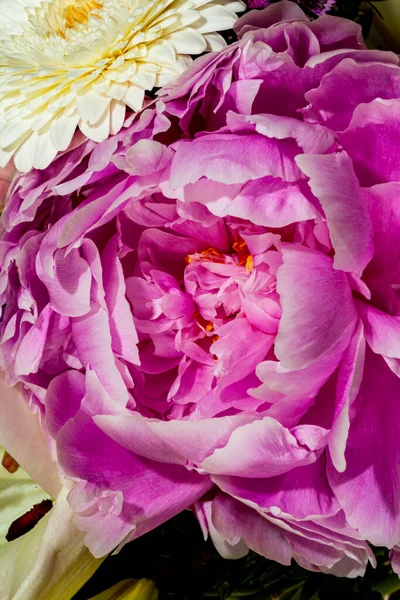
x,y
170,441
122,494
236,548
349,380
269,16
333,182
233,337
382,331
33,344
320,317
369,487
122,328
262,448
303,493
331,102
234,521
63,399
270,202
91,335
373,129
69,285
384,208
395,559
147,157
220,157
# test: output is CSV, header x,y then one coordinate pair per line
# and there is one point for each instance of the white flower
x,y
79,63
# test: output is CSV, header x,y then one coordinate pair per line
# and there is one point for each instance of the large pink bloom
x,y
205,307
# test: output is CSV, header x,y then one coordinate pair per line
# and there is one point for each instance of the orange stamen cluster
x,y
214,255
211,254
206,325
245,258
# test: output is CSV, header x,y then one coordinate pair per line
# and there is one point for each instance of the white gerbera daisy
x,y
79,63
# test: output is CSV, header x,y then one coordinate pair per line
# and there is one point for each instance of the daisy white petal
x,y
79,63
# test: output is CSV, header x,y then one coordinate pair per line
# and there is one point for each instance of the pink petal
x,y
302,493
263,448
349,380
235,521
320,316
230,158
382,331
91,335
170,441
69,287
333,182
122,328
369,488
270,202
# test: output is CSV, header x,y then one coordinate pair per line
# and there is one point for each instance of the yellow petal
x,y
388,27
130,589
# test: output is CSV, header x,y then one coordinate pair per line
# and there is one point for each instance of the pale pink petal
x,y
369,487
320,316
334,183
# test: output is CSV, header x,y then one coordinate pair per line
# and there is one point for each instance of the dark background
x,y
185,567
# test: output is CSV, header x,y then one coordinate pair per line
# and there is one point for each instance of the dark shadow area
x,y
184,567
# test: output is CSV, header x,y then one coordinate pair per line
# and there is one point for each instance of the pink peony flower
x,y
205,309
318,7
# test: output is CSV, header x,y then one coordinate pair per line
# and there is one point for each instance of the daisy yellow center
x,y
79,12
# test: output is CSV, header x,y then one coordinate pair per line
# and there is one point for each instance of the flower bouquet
x,y
199,279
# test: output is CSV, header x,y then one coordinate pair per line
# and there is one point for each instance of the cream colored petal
x,y
134,97
117,110
41,149
62,130
91,105
12,131
188,41
117,90
50,562
216,18
215,42
146,75
18,494
21,434
5,157
161,53
22,156
98,132
236,6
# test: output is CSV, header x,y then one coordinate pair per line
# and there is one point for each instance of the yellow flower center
x,y
79,12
